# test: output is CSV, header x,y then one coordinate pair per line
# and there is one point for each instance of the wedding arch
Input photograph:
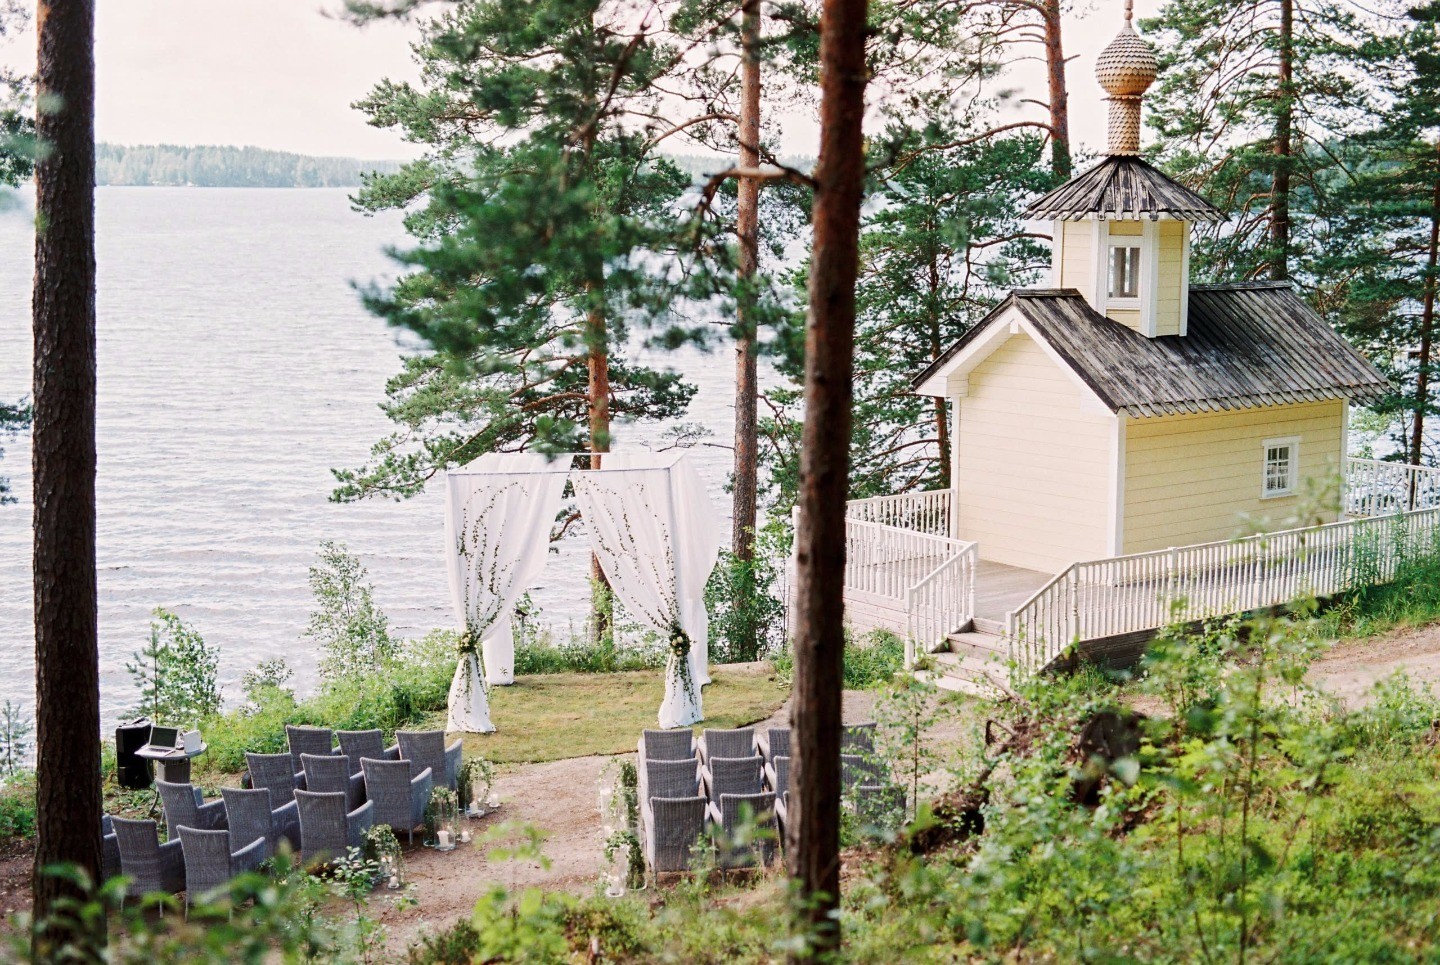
x,y
651,526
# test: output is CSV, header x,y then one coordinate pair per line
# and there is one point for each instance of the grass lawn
x,y
546,717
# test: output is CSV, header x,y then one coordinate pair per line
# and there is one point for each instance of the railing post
x,y
1171,559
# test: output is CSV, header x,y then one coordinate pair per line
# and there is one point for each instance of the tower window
x,y
1124,271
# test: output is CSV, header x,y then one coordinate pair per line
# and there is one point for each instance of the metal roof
x,y
1246,345
1123,187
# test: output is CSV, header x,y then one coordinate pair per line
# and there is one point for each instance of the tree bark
x,y
1060,163
824,476
1427,326
747,390
67,676
1283,147
602,609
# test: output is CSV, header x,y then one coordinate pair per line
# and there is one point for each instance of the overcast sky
x,y
281,74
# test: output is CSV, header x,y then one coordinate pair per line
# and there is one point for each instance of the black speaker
x,y
131,770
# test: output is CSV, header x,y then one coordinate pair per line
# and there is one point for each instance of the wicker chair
x,y
150,865
357,745
777,775
426,748
185,806
739,742
331,772
857,769
782,807
308,740
880,807
399,799
327,829
743,826
109,849
671,828
275,774
667,745
250,816
667,779
732,775
858,739
210,864
773,743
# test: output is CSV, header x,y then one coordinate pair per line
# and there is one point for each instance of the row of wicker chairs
x,y
318,798
731,782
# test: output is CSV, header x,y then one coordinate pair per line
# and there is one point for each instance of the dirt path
x,y
1352,667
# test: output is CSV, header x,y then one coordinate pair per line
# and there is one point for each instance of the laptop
x,y
164,738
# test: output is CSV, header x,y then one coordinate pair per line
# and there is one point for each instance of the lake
x,y
237,367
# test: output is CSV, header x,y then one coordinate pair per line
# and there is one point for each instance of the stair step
x,y
978,644
985,625
967,673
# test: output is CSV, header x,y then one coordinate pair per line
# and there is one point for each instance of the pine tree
x,y
1251,95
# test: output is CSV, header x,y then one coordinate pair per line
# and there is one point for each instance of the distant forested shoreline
x,y
214,166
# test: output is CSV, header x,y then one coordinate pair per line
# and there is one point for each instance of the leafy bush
x,y
176,672
352,631
870,662
17,806
542,654
747,618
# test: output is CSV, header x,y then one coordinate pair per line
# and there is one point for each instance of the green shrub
x,y
747,618
870,662
541,654
176,672
17,806
353,632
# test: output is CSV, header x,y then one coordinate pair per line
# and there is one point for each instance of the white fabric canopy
x,y
497,531
654,531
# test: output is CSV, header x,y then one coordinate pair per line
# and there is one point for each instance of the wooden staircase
x,y
974,661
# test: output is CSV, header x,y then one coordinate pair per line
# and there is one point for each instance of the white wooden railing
x,y
927,512
1376,488
887,560
942,602
1147,591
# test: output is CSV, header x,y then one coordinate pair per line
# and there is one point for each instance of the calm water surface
x,y
236,368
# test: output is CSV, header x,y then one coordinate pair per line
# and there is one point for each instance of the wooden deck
x,y
998,590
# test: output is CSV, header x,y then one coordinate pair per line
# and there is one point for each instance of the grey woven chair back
x,y
308,740
207,861
668,745
880,806
330,772
671,779
249,815
857,739
110,849
744,843
856,769
141,857
676,826
739,742
185,807
324,830
781,766
777,743
736,775
425,748
359,744
398,802
275,773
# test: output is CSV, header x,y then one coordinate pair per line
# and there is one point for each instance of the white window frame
x,y
1293,483
1148,241
1136,242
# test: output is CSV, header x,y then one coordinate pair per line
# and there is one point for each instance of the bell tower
x,y
1122,228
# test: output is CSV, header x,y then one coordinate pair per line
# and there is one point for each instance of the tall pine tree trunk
x,y
67,676
1427,326
747,389
1059,94
819,638
1283,147
602,606
942,420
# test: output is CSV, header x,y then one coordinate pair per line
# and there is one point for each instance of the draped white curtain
x,y
655,533
497,531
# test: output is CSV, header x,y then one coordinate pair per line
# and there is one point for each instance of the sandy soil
x,y
1352,667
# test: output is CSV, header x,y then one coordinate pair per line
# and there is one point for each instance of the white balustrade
x,y
927,512
1377,488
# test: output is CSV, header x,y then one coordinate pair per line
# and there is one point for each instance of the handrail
x,y
1376,487
1110,597
941,602
925,512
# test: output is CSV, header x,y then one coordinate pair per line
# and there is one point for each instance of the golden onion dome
x,y
1127,67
